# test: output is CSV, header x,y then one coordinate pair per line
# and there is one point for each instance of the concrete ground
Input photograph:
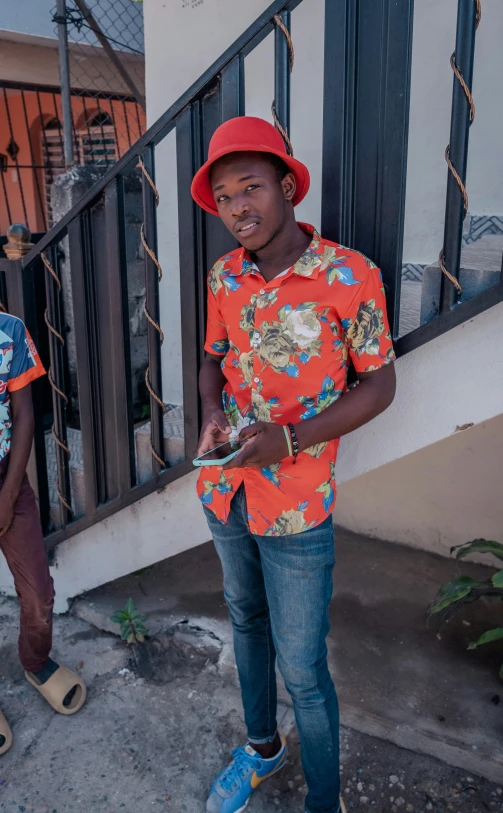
x,y
161,719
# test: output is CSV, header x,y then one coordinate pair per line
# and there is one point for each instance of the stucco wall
x,y
443,495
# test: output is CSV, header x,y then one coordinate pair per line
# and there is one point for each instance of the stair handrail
x,y
243,45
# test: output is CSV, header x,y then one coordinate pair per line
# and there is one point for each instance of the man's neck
x,y
283,252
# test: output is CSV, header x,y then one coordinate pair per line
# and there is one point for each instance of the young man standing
x,y
21,539
286,313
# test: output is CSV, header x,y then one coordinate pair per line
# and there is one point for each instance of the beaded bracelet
x,y
295,442
289,442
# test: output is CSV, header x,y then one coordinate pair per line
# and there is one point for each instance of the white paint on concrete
x,y
159,526
440,496
453,380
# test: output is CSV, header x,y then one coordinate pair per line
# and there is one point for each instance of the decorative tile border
x,y
480,226
475,227
413,272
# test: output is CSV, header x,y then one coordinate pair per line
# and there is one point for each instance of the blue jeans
x,y
278,590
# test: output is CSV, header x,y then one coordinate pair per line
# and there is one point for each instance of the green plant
x,y
465,590
132,623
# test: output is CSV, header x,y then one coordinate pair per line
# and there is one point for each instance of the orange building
x,y
105,125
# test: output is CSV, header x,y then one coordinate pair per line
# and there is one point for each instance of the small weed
x,y
132,623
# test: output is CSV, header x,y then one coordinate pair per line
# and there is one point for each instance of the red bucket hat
x,y
245,134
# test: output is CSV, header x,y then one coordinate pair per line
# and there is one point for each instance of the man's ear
x,y
289,186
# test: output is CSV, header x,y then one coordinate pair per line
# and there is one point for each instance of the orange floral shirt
x,y
285,346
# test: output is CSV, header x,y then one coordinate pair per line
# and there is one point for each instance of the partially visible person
x,y
21,538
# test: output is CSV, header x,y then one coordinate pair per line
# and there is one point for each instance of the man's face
x,y
251,199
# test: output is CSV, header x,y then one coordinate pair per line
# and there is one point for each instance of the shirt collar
x,y
308,265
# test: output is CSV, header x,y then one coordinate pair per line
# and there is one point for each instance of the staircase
x,y
116,490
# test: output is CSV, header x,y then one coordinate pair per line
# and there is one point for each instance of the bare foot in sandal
x,y
63,689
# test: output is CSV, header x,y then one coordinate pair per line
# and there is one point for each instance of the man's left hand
x,y
265,445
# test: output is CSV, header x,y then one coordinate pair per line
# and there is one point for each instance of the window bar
x,y
44,139
126,122
61,138
91,154
457,152
112,114
6,197
32,156
55,324
155,336
103,138
16,162
283,64
137,113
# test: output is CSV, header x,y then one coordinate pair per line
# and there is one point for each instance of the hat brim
x,y
201,185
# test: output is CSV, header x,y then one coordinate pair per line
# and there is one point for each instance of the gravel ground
x,y
157,729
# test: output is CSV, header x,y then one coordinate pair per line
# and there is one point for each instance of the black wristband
x,y
295,442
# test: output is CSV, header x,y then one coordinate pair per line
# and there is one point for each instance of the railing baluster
x,y
153,375
192,261
86,356
56,327
282,69
458,149
122,407
232,89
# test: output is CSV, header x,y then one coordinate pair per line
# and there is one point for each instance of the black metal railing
x,y
104,126
367,70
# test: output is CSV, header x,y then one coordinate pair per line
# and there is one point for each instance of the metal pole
x,y
64,78
458,149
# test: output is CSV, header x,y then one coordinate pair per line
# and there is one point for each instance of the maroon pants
x,y
23,547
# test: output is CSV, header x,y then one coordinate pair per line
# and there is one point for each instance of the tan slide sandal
x,y
58,686
5,735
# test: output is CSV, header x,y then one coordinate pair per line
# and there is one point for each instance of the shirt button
x,y
262,291
256,335
257,380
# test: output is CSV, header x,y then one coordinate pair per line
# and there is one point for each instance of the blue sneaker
x,y
232,789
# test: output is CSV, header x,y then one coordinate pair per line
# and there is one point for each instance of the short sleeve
x,y
366,327
26,365
216,332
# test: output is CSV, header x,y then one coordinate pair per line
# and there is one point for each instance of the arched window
x,y
96,141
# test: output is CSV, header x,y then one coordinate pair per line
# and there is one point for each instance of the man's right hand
x,y
216,429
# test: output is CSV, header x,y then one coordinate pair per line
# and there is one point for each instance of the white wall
x,y
430,113
451,381
440,496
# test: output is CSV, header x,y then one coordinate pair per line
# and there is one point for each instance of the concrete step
x,y
174,444
174,449
480,269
